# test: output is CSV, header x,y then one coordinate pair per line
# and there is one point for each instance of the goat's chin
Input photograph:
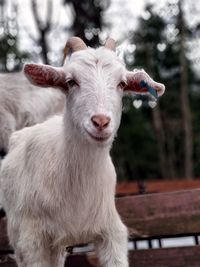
x,y
98,139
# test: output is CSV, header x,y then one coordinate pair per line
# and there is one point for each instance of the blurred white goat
x,y
21,105
58,178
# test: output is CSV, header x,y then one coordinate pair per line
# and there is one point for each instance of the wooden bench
x,y
151,219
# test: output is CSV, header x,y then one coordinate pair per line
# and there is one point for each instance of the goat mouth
x,y
97,137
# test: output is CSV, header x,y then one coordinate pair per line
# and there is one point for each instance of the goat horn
x,y
110,44
74,44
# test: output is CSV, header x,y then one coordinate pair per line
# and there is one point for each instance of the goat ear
x,y
139,82
45,76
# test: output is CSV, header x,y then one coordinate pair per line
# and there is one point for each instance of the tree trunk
x,y
160,136
171,155
158,124
185,106
44,46
43,29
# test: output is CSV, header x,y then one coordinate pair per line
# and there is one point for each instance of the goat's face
x,y
94,82
94,97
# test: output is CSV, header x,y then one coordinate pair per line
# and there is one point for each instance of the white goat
x,y
58,179
21,105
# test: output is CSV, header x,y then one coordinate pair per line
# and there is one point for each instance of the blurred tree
x,y
134,152
87,22
43,29
180,68
11,58
149,56
185,106
88,19
161,49
151,155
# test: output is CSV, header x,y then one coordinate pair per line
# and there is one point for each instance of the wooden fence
x,y
149,217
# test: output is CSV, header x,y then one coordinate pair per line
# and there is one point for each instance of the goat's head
x,y
94,81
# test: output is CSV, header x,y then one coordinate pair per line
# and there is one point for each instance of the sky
x,y
121,14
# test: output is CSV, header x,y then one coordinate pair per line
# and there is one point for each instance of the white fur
x,y
21,104
58,181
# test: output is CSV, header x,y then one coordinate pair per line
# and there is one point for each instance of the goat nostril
x,y
100,121
106,124
95,123
2,153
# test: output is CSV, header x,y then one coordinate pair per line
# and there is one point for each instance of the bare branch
x,y
36,15
29,33
49,15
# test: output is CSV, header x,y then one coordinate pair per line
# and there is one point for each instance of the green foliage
x,y
88,19
132,151
11,58
137,152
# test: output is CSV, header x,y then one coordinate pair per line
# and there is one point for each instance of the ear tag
x,y
153,97
150,89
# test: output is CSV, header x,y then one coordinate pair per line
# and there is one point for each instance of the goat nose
x,y
100,121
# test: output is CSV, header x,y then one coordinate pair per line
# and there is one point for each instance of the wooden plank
x,y
8,264
81,261
131,188
4,243
164,214
173,257
7,261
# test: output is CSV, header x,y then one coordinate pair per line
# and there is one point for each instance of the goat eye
x,y
71,83
122,84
